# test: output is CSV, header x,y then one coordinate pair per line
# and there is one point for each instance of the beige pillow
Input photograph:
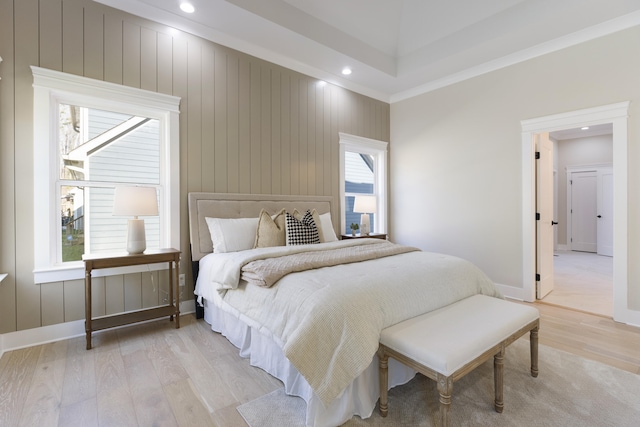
x,y
271,230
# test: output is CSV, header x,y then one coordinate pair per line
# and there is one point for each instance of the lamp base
x,y
136,239
364,224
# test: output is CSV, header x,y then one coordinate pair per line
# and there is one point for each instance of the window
x,y
89,137
363,171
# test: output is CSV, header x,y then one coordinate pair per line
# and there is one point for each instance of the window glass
x,y
105,146
97,150
72,219
359,175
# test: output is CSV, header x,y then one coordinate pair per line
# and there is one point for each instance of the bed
x,y
315,328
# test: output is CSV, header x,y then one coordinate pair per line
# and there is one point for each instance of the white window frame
x,y
51,88
378,150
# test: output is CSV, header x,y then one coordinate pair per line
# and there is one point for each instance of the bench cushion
x,y
448,338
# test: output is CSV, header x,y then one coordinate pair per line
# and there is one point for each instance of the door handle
x,y
599,216
553,222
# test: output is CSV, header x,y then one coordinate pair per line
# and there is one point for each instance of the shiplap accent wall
x,y
246,126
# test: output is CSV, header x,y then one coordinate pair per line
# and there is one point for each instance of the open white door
x,y
544,215
605,211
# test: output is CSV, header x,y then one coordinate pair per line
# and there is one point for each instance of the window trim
x,y
53,87
379,150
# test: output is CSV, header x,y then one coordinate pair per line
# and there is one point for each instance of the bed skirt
x,y
359,398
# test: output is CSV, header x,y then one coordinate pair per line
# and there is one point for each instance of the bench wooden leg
x,y
384,382
445,388
498,379
533,342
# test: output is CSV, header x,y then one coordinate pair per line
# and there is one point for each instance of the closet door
x,y
584,211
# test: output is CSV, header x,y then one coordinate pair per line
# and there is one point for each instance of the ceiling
x,y
396,48
594,130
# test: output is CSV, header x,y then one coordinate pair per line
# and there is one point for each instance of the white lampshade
x,y
135,202
365,204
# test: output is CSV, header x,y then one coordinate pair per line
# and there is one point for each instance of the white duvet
x,y
328,320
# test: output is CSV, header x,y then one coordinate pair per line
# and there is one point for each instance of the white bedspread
x,y
328,320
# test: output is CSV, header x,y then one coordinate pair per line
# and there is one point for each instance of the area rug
x,y
569,391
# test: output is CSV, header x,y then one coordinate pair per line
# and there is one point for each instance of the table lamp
x,y
135,202
365,205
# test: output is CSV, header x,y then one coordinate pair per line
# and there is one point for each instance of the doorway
x,y
617,115
582,263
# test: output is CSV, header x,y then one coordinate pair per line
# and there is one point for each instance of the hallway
x,y
583,281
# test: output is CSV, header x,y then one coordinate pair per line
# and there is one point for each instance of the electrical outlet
x,y
181,279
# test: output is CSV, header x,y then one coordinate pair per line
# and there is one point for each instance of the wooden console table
x,y
94,262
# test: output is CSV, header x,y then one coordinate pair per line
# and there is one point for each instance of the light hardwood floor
x,y
583,281
154,375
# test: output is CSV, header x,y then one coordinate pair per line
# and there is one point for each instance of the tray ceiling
x,y
396,48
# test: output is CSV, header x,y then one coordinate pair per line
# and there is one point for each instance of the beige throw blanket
x,y
266,272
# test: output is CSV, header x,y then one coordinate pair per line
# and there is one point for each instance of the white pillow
x,y
232,234
327,233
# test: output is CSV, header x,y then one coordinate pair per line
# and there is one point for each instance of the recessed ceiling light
x,y
346,71
187,7
584,128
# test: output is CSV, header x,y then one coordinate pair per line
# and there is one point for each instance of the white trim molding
x,y
53,87
378,150
617,114
63,331
511,292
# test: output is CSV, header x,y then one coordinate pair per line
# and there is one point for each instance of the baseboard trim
x,y
42,335
628,317
61,331
511,292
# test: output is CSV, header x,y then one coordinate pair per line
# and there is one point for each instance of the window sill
x,y
76,272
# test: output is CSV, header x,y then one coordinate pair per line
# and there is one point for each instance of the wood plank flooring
x,y
154,375
582,281
591,336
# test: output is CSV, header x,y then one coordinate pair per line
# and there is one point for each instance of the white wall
x,y
455,153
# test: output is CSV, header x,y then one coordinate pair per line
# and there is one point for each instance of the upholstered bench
x,y
450,342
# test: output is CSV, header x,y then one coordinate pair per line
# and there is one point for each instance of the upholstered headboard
x,y
224,205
